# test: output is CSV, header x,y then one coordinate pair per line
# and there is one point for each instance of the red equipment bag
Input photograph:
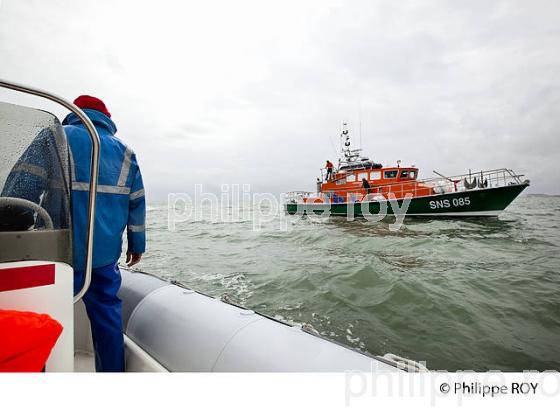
x,y
26,340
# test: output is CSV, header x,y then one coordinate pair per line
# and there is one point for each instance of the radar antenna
x,y
348,154
351,158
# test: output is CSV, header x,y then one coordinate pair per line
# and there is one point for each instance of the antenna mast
x,y
360,120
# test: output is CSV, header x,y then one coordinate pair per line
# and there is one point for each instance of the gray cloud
x,y
216,92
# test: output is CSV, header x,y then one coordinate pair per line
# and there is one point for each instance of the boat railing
x,y
474,180
333,178
323,174
457,183
297,196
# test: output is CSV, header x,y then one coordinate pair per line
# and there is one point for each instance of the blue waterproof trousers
x,y
104,312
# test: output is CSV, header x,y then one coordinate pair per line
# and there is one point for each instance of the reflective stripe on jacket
x,y
120,195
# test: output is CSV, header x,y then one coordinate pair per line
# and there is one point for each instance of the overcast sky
x,y
255,92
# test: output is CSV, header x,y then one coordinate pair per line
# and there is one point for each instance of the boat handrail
x,y
94,170
485,173
297,195
458,178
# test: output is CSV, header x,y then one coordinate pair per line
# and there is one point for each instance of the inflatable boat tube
x,y
187,331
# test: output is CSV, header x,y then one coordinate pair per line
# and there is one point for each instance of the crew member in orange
x,y
366,186
329,167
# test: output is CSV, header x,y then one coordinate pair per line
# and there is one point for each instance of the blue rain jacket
x,y
120,194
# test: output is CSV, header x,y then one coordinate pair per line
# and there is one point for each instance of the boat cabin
x,y
348,186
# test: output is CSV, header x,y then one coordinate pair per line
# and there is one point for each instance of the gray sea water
x,y
476,294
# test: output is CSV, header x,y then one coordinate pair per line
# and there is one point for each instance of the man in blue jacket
x,y
120,205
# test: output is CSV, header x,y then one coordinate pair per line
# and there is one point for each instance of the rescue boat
x,y
167,326
359,186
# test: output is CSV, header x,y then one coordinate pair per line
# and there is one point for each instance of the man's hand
x,y
132,258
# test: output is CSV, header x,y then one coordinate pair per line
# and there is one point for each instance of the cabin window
x,y
391,174
351,178
340,181
362,175
408,173
374,175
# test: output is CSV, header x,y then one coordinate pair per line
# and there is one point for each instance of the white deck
x,y
84,362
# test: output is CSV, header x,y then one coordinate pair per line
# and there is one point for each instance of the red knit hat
x,y
87,101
